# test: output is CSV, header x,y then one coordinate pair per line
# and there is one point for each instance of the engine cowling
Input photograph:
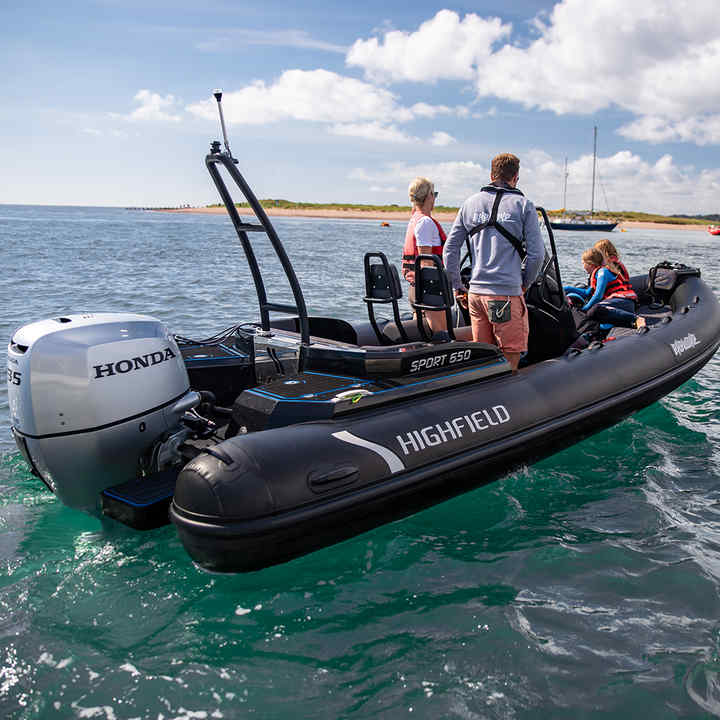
x,y
90,395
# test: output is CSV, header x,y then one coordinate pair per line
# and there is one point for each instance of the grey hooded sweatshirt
x,y
496,265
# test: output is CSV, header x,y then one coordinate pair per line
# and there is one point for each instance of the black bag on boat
x,y
665,277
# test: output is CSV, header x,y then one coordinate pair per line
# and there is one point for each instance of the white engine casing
x,y
89,394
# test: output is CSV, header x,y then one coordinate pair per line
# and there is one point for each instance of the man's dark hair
x,y
504,167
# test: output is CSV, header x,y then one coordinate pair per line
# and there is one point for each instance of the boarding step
x,y
141,503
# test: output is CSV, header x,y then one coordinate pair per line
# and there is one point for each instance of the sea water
x,y
583,586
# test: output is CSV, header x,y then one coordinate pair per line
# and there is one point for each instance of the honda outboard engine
x,y
92,397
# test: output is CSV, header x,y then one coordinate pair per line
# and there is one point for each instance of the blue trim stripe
x,y
339,377
127,500
299,398
362,383
214,357
423,382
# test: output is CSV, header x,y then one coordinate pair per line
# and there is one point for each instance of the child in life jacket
x,y
611,258
609,297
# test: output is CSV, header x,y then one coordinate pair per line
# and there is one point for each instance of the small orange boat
x,y
714,229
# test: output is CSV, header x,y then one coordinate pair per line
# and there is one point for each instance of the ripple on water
x,y
584,585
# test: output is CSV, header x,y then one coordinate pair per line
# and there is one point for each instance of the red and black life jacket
x,y
623,270
620,287
410,251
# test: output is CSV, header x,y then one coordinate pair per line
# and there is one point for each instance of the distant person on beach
x,y
501,227
424,236
609,297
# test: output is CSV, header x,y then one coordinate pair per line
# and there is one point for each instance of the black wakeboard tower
x,y
213,160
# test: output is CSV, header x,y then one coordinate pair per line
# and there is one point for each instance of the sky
x,y
109,102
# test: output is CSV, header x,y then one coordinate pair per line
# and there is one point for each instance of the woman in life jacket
x,y
424,236
609,297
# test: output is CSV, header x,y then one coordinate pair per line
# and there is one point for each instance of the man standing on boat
x,y
500,226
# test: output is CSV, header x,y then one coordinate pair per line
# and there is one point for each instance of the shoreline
x,y
380,216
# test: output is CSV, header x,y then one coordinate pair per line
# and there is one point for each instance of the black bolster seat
x,y
432,293
382,285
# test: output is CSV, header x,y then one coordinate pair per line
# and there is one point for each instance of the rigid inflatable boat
x,y
272,439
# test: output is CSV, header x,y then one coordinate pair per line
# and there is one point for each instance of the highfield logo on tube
x,y
453,429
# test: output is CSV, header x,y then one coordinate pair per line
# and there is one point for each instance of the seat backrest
x,y
382,282
382,285
432,287
432,292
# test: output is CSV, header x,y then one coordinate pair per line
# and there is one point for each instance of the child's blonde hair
x,y
610,255
607,248
592,256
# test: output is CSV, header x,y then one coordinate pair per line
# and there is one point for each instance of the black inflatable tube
x,y
259,510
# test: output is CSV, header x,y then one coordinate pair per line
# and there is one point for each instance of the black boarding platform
x,y
401,373
141,503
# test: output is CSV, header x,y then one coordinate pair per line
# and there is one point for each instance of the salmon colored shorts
x,y
510,336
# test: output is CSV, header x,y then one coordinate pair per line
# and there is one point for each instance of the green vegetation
x,y
270,203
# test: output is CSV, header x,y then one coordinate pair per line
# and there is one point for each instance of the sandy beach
x,y
405,215
636,225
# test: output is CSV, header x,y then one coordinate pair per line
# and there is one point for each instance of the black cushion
x,y
382,285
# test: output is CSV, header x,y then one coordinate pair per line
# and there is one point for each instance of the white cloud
x,y
443,47
699,129
392,190
349,106
373,131
441,139
430,111
592,55
491,112
424,110
360,174
628,181
658,59
314,95
153,108
454,180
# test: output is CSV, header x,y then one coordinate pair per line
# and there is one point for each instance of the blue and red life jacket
x,y
620,287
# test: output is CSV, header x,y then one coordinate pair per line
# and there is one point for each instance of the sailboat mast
x,y
565,176
592,203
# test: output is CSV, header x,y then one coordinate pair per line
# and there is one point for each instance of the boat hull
x,y
269,496
600,227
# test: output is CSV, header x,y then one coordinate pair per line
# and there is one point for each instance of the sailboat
x,y
580,222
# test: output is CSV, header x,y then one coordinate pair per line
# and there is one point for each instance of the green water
x,y
585,586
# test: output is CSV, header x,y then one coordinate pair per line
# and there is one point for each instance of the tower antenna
x,y
218,96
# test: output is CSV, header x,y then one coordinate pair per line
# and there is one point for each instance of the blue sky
x,y
109,102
